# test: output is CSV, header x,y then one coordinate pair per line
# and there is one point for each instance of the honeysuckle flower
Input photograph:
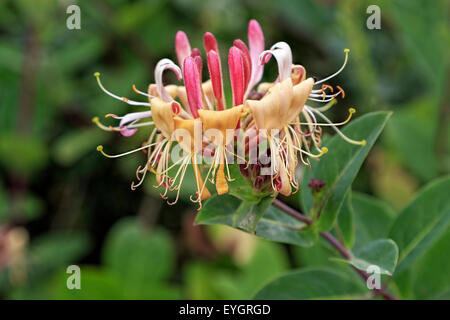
x,y
194,117
276,115
177,108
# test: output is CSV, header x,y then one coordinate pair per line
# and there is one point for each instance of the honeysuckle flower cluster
x,y
267,128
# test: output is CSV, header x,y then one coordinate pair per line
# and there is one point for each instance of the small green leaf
x,y
274,225
248,214
240,187
311,284
382,253
338,168
422,222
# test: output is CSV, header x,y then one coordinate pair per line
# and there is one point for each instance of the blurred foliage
x,y
62,204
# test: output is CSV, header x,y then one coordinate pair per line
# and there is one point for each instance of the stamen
x,y
130,102
346,51
100,125
351,111
140,92
362,142
327,106
100,149
322,152
342,91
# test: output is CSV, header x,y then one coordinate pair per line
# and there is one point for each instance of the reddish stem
x,y
333,241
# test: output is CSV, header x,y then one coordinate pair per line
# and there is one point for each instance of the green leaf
x,y
240,188
338,168
414,20
248,214
345,222
382,253
311,284
139,257
422,222
431,281
373,219
274,225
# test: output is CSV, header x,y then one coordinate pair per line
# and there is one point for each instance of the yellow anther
x,y
324,150
100,148
352,110
95,119
363,143
346,50
97,74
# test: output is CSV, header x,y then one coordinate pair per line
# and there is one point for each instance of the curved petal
x,y
161,66
282,53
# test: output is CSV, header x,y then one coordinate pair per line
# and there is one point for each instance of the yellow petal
x,y
205,194
301,94
286,189
185,133
162,115
222,120
221,181
271,111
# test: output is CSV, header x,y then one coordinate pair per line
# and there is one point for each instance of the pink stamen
x,y
247,60
192,83
210,43
182,47
236,66
215,74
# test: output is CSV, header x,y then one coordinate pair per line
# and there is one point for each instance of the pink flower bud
x,y
182,47
192,83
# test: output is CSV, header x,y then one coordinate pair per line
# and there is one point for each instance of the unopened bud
x,y
316,185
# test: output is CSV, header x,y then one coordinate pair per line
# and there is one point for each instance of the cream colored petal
x,y
162,115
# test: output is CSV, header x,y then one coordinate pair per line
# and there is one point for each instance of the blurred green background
x,y
61,203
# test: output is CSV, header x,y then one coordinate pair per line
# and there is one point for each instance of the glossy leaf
x,y
431,281
311,284
274,225
382,253
373,218
422,222
338,168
